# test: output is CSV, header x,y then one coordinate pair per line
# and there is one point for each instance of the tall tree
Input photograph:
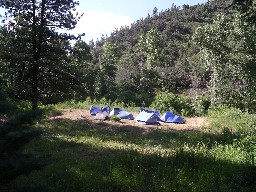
x,y
36,48
149,48
82,67
229,51
107,69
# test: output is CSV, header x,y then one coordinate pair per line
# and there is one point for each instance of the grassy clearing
x,y
96,156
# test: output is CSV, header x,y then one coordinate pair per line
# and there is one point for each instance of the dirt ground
x,y
194,123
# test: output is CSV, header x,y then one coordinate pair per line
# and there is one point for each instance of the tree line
x,y
205,49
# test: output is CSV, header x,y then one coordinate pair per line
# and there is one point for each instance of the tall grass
x,y
231,119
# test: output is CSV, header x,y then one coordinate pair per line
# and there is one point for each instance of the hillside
x,y
177,68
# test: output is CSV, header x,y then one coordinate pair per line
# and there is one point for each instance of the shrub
x,y
177,104
201,105
114,118
248,144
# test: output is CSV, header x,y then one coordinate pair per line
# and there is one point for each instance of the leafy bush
x,y
5,104
201,104
242,124
114,118
178,104
248,144
166,100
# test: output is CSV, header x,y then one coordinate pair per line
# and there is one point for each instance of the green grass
x,y
95,156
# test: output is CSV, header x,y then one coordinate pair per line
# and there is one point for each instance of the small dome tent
x,y
102,115
125,115
147,118
114,111
94,110
122,114
169,117
149,111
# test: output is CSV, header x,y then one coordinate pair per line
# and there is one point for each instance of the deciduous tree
x,y
228,47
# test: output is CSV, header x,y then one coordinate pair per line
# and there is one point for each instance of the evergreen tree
x,y
82,67
36,51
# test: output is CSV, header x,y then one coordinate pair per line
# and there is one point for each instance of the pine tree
x,y
36,51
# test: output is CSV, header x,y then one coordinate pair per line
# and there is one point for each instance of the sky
x,y
101,17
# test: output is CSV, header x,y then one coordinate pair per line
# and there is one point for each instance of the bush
x,y
201,105
5,104
114,118
181,105
248,144
164,101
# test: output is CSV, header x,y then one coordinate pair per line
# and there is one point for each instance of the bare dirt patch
x,y
193,123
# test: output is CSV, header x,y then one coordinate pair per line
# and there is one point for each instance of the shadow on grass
x,y
151,135
98,156
82,167
15,133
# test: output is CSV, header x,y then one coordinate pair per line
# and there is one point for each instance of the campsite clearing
x,y
85,154
192,123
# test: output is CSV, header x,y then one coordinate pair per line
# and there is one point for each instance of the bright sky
x,y
103,16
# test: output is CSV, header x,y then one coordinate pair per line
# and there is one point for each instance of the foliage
x,y
246,8
231,119
35,52
229,54
105,77
182,105
114,118
153,54
156,53
5,104
248,144
148,48
84,71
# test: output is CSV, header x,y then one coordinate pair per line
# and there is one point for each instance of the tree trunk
x,y
37,42
35,68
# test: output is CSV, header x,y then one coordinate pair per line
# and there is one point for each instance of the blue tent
x,y
150,111
122,114
94,110
125,115
115,111
147,118
169,117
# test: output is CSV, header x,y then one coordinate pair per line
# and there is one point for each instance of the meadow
x,y
86,155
